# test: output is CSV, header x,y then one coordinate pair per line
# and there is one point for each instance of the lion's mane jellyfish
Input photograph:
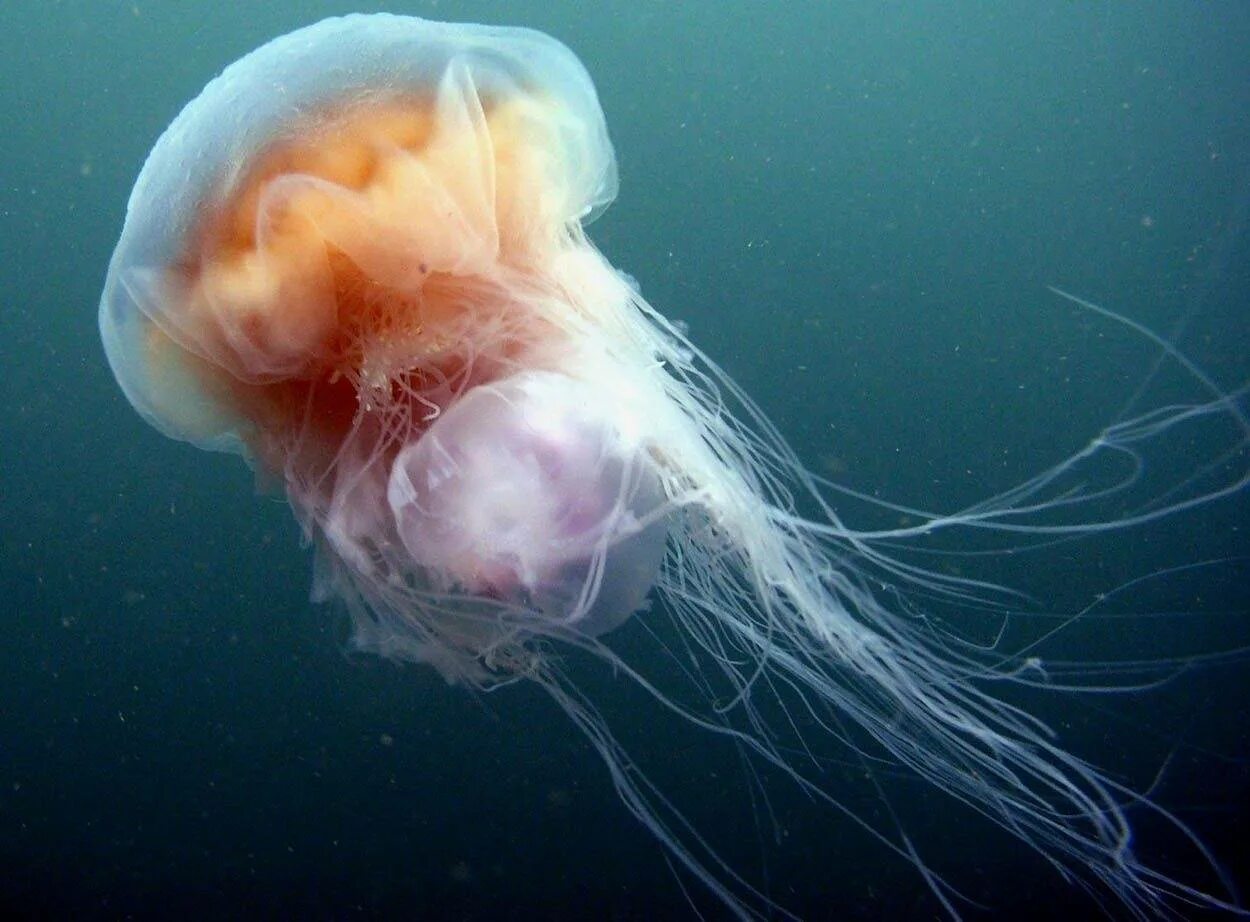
x,y
357,259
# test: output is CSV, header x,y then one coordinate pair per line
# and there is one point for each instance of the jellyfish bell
x,y
444,154
358,260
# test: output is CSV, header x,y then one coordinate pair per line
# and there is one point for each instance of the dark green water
x,y
856,208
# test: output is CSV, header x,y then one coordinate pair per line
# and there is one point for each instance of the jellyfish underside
x,y
383,297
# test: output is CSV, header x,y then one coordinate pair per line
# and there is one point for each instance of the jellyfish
x,y
358,260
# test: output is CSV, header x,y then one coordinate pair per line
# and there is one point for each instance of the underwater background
x,y
856,208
